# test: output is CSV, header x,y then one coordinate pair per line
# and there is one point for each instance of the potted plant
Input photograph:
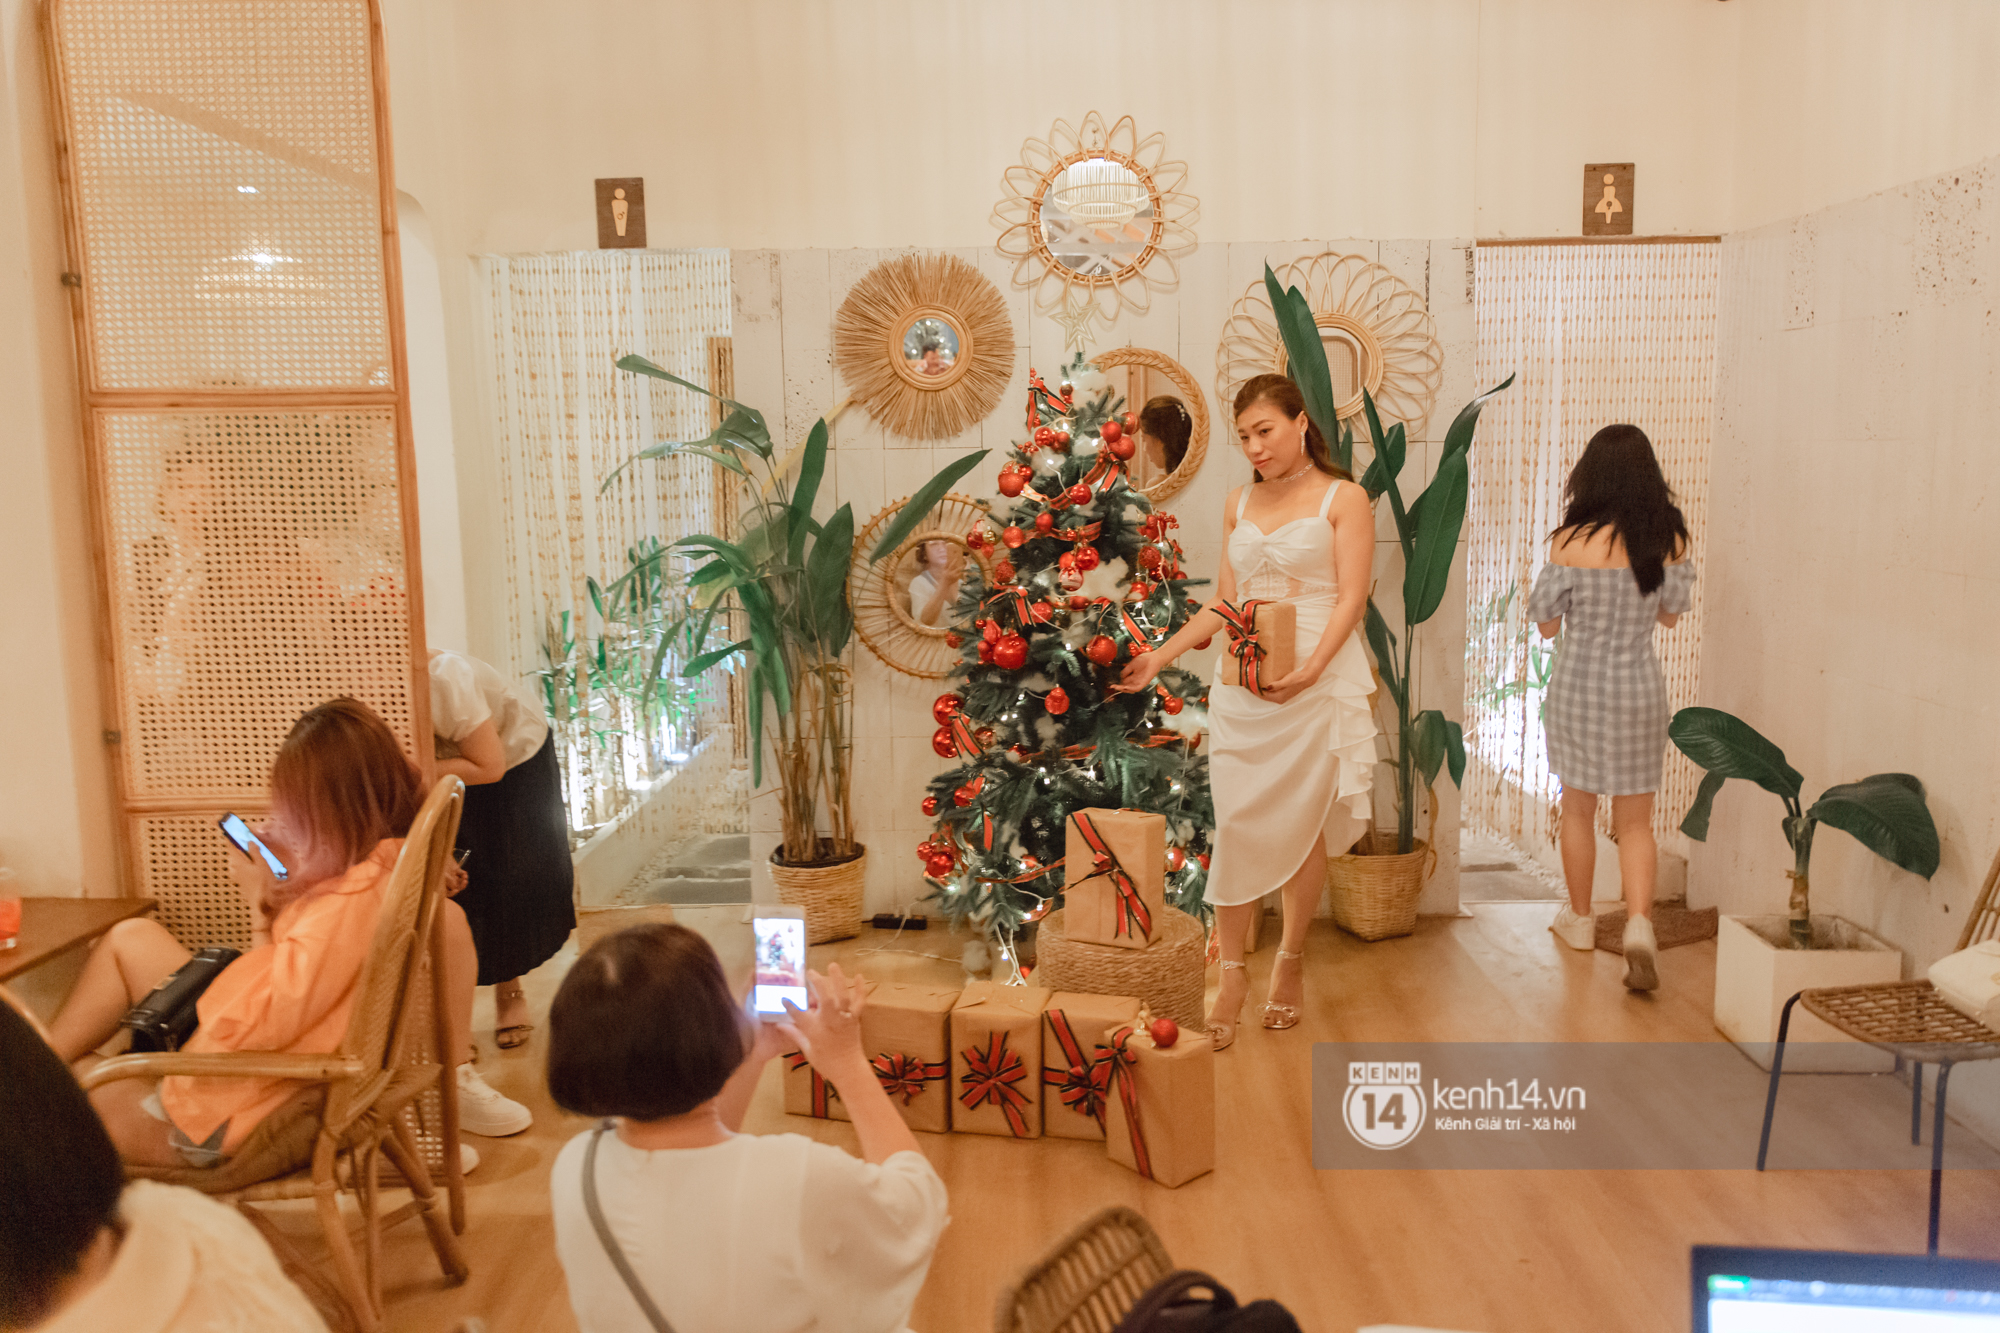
x,y
1762,961
786,574
1374,889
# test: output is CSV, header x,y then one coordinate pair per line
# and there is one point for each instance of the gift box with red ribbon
x,y
1076,1060
1114,877
996,1060
1159,1119
1263,643
906,1031
806,1092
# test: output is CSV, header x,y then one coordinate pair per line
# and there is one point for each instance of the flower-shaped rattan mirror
x,y
924,343
903,602
1098,209
1172,415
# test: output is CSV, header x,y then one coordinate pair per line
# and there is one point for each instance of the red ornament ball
x,y
1201,859
1102,650
1045,522
1079,494
1066,562
930,807
945,707
1043,612
985,653
1110,430
990,630
1011,652
1150,557
1058,701
1172,705
1176,859
1087,558
1013,537
953,641
1012,483
1045,436
939,866
942,742
976,538
963,796
1131,420
1003,572
1165,1032
1077,602
1061,441
1122,448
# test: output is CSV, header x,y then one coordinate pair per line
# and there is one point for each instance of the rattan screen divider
x,y
230,219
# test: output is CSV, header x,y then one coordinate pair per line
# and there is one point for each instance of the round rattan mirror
x,y
924,343
903,603
1172,434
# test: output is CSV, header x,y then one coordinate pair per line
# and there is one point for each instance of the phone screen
x,y
781,964
249,844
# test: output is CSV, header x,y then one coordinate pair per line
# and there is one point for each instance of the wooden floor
x,y
1492,1252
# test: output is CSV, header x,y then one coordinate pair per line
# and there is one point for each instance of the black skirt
x,y
520,889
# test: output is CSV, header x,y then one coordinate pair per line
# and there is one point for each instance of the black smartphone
x,y
238,832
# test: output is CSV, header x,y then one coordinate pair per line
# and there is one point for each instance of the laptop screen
x,y
1824,1291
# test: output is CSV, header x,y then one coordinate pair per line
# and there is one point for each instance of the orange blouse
x,y
293,995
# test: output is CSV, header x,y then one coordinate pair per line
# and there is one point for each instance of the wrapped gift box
x,y
996,1060
1076,1060
906,1031
1277,628
1116,901
806,1093
1171,1138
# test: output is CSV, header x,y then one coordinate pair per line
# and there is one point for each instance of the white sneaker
x,y
483,1111
468,1158
1578,932
1640,955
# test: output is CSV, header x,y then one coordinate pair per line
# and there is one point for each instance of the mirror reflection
x,y
1096,217
930,347
934,569
1164,423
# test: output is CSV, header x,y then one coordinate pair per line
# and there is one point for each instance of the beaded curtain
x,y
567,417
1595,334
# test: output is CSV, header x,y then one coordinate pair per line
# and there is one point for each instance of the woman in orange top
x,y
342,797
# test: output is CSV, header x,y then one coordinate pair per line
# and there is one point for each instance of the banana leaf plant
x,y
786,574
1426,528
1886,812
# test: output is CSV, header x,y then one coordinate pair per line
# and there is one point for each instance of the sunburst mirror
x,y
1172,414
1096,209
903,602
1375,327
924,344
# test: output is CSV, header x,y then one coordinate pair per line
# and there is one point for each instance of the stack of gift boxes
x,y
1022,1062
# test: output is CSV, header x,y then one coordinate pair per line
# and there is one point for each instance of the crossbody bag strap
x,y
610,1242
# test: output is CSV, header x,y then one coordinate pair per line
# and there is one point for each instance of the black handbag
x,y
167,1016
1171,1305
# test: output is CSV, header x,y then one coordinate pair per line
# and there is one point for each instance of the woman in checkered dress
x,y
1617,567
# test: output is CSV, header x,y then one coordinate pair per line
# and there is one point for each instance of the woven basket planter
x,y
1169,975
831,895
1374,894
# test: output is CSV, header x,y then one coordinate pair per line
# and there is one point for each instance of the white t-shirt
x,y
764,1233
466,692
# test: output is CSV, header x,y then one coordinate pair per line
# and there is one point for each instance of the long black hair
x,y
1617,484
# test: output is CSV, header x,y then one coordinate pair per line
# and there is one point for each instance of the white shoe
x,y
1640,955
1578,932
483,1111
468,1158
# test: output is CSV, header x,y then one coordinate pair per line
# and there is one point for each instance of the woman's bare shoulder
x,y
1350,501
1601,549
1229,503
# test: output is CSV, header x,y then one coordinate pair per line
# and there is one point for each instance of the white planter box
x,y
1755,973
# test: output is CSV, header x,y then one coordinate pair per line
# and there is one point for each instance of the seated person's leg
x,y
138,1134
133,957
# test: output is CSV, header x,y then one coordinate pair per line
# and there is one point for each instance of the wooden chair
x,y
365,1100
1088,1281
1910,1020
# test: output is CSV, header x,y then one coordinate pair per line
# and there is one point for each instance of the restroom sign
x,y
1607,199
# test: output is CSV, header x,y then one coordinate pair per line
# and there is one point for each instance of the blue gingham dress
x,y
1606,714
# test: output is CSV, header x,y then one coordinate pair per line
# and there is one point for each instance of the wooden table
x,y
53,926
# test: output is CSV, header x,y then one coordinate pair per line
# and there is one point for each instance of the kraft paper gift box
x,y
996,1060
1076,1060
1277,628
906,1033
806,1093
1171,1139
1119,902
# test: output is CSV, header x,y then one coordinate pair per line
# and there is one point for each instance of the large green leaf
x,y
1305,354
1695,823
1886,813
697,665
639,365
1427,731
1730,746
826,576
920,504
1383,644
1454,752
812,466
1436,543
1458,439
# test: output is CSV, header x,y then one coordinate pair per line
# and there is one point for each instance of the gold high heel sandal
x,y
1221,1034
1277,1016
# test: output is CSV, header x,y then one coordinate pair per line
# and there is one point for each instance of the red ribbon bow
x,y
823,1092
1014,597
1084,1083
1241,622
1139,633
961,736
1124,1072
990,1077
905,1075
1132,910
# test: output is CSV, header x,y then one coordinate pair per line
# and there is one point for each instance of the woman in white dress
x,y
1290,768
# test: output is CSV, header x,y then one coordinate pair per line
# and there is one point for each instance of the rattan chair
x,y
1910,1020
367,1098
1089,1281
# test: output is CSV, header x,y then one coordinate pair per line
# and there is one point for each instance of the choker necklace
x,y
1279,481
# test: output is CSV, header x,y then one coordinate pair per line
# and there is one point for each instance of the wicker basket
x,y
831,895
1374,894
1169,975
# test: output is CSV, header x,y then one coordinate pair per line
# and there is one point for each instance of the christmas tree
x,y
1084,575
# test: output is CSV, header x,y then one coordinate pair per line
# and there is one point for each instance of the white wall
x,y
442,551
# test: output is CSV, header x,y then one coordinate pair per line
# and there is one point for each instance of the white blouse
x,y
764,1233
466,692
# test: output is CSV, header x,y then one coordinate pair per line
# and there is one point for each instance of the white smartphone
x,y
780,933
248,843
